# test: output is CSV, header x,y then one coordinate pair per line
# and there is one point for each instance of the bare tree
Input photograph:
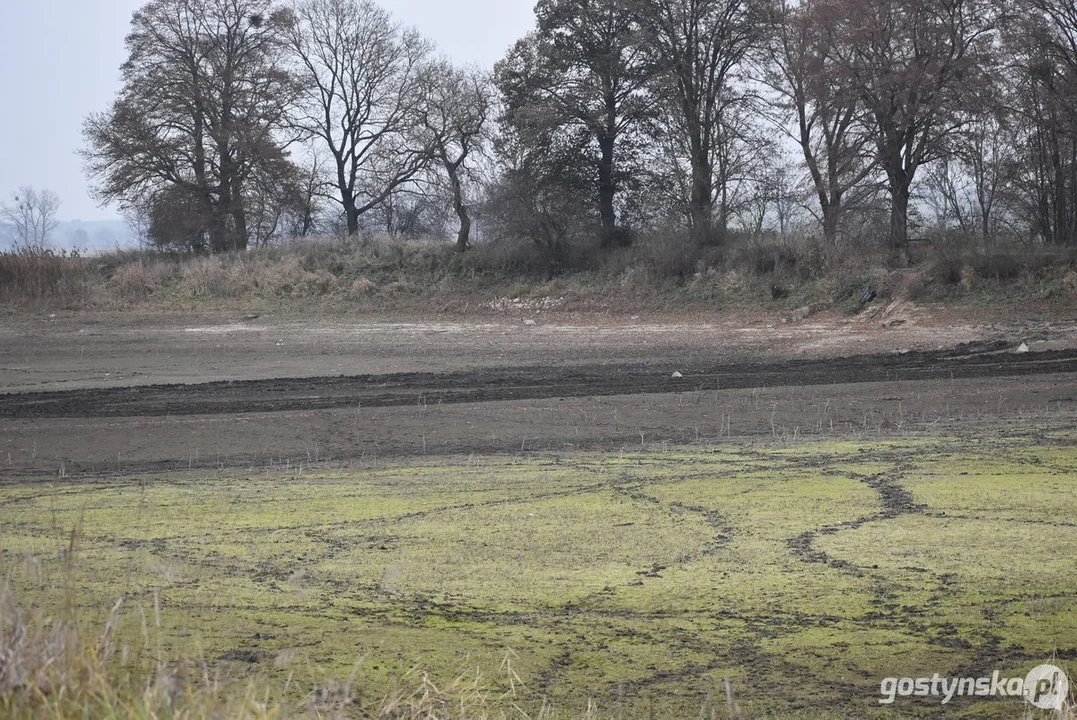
x,y
202,106
800,67
985,151
772,196
302,218
275,193
455,113
915,65
698,46
33,216
944,189
410,212
1043,179
361,72
137,217
971,182
1052,30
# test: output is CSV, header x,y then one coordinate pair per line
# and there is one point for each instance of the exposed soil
x,y
894,499
103,394
976,360
65,352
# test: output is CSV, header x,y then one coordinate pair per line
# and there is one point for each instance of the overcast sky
x,y
60,59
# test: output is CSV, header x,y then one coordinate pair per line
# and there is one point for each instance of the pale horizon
x,y
63,62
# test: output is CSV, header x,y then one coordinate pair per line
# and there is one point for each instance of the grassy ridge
x,y
657,274
634,584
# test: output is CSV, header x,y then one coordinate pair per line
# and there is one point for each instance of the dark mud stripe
x,y
525,383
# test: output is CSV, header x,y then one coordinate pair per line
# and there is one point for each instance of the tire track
x,y
896,501
524,383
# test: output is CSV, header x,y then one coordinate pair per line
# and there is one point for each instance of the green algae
x,y
639,580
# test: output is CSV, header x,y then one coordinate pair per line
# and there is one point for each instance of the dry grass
x,y
140,278
31,276
59,668
52,667
955,271
661,272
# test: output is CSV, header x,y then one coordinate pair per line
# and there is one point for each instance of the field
x,y
764,536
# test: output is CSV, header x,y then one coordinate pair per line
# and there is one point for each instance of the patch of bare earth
x,y
103,394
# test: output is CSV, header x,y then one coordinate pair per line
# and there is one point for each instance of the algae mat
x,y
637,582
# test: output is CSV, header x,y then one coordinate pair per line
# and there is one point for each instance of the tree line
x,y
240,121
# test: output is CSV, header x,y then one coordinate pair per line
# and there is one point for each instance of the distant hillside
x,y
90,236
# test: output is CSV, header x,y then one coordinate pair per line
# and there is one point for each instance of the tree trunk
x,y
1059,190
219,234
224,214
239,218
606,191
212,230
239,226
351,213
463,237
1071,214
702,203
899,219
830,222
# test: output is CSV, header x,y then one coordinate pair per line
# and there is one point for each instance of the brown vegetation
x,y
657,273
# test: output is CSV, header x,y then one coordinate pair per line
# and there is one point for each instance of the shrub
x,y
996,265
288,279
917,291
139,279
361,287
793,257
676,256
205,277
504,259
788,271
947,265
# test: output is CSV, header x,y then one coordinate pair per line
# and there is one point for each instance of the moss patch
x,y
805,575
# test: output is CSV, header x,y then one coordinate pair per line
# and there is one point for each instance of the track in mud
x,y
978,360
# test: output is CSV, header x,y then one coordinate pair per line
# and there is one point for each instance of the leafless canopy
x,y
801,66
361,72
455,114
916,65
699,45
32,214
722,117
